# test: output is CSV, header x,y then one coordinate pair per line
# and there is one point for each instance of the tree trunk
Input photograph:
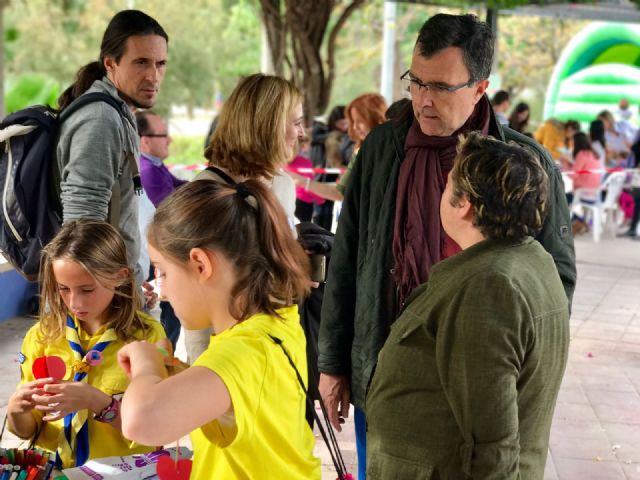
x,y
296,31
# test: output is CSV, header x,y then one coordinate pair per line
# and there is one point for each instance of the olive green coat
x,y
467,381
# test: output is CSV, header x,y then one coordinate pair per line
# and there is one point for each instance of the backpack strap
x,y
86,99
330,440
224,176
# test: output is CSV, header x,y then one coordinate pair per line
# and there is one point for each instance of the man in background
x,y
157,180
158,183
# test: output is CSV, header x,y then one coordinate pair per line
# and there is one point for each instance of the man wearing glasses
x,y
390,234
98,145
158,183
157,180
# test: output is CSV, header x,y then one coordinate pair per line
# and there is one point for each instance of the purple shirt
x,y
157,180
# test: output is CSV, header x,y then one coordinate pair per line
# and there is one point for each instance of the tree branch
x,y
333,35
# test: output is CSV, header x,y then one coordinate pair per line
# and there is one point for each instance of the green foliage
x,y
212,42
526,61
30,89
186,150
43,43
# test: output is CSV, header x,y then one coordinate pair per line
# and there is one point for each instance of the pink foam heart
x,y
56,367
53,367
168,469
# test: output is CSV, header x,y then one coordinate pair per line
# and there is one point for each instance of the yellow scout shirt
x,y
267,436
104,440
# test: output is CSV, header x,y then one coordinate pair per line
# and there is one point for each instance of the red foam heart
x,y
44,367
57,368
168,469
39,368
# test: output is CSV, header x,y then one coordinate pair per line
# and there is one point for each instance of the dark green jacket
x,y
360,295
466,383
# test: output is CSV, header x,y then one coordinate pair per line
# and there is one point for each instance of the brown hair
x,y
249,140
249,227
505,184
371,107
142,121
100,250
123,25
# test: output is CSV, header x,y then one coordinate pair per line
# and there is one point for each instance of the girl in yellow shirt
x,y
227,259
87,312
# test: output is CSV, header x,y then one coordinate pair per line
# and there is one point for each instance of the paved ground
x,y
596,429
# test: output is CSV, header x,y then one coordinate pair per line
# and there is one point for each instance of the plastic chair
x,y
603,213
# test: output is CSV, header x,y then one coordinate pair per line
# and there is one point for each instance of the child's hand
x,y
150,297
62,398
138,358
173,364
22,400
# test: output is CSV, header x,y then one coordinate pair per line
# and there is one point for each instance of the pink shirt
x,y
586,160
301,193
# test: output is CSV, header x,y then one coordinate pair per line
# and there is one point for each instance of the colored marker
x,y
33,471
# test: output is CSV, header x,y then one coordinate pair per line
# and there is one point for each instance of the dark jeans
x,y
170,323
323,215
304,211
168,318
360,422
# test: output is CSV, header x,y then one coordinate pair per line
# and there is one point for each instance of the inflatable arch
x,y
598,67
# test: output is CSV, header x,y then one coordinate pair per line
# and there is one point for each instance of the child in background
x,y
586,168
87,313
227,259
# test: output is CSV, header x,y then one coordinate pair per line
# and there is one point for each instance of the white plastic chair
x,y
603,213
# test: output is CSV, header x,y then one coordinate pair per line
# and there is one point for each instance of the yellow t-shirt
x,y
267,436
104,440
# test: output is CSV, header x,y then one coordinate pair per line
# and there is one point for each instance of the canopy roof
x,y
605,10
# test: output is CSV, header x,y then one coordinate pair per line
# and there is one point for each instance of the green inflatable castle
x,y
597,68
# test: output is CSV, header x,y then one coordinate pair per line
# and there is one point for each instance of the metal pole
x,y
388,52
492,21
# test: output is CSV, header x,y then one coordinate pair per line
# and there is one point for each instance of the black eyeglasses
x,y
418,85
157,135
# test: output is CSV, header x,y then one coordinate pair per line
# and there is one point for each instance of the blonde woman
x,y
257,134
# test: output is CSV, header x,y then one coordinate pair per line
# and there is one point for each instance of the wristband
x,y
307,184
110,412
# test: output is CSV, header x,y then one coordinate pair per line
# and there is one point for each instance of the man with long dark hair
x,y
98,146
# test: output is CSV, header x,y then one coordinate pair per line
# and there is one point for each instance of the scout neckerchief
x,y
76,427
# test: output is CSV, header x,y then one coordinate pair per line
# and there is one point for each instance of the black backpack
x,y
31,212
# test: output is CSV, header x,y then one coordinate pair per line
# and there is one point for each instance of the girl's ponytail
x,y
246,223
286,262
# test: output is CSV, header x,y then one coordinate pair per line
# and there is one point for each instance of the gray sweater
x,y
91,156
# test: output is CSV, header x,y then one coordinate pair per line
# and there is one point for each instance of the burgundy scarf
x,y
419,241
